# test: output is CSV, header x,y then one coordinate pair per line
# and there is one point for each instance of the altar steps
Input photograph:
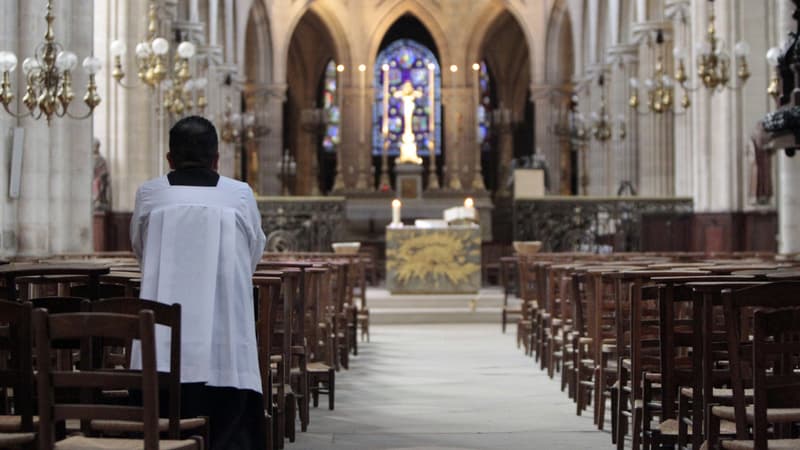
x,y
386,308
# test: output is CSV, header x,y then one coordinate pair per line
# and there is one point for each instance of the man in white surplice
x,y
198,237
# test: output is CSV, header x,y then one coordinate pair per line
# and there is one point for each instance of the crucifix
x,y
408,145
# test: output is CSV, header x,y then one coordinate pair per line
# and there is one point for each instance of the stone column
x,y
679,11
656,139
624,66
459,136
788,168
267,103
9,39
541,97
34,200
506,150
348,158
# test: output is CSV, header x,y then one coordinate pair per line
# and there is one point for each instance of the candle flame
x,y
396,203
469,203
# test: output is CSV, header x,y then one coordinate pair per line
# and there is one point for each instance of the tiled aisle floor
x,y
462,386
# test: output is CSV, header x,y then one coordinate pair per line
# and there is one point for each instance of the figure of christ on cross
x,y
408,146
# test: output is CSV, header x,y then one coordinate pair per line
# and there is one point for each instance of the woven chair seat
x,y
774,444
9,439
84,443
717,392
133,426
10,424
774,415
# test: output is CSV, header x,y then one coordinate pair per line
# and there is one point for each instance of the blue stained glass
x,y
484,110
408,61
330,105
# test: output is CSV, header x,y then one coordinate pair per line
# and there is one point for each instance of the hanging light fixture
x,y
48,75
660,88
713,61
182,93
601,125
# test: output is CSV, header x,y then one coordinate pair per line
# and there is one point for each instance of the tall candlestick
x,y
477,178
384,181
433,178
396,205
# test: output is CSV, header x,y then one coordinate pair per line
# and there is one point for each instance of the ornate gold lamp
x,y
181,92
601,124
659,88
48,75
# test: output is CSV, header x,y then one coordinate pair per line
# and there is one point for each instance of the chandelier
x,y
601,124
713,62
48,75
660,88
181,93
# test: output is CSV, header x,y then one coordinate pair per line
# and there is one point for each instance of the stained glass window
x,y
407,61
330,104
485,109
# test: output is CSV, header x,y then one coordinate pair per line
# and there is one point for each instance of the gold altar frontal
x,y
433,260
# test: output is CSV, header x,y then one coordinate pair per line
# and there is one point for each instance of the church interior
x,y
489,224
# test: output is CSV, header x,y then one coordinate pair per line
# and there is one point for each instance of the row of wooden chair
x,y
652,335
306,329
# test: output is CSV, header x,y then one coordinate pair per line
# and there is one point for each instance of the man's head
x,y
193,143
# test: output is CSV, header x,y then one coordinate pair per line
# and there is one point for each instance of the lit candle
x,y
396,205
469,203
385,124
431,100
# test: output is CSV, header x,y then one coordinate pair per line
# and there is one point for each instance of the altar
x,y
439,260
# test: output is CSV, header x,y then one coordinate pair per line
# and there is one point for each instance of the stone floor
x,y
447,386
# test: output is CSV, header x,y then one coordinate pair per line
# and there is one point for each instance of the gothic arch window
x,y
330,106
407,60
485,108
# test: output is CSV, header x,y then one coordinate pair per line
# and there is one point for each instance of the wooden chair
x,y
321,373
529,293
86,327
168,382
267,295
768,362
19,429
508,280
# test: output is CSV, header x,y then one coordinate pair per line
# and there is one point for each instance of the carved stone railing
x,y
307,224
590,223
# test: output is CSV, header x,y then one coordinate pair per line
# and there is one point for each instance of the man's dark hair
x,y
193,143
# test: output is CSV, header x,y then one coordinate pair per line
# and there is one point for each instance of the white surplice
x,y
199,246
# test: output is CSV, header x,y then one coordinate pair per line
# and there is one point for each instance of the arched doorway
x,y
504,83
311,51
407,56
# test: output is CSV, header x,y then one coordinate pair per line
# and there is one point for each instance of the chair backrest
x,y
740,306
86,327
776,380
17,372
61,305
165,315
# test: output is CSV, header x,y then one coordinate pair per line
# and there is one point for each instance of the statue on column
x,y
101,190
408,146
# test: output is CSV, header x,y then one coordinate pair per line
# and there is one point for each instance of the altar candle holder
x,y
396,205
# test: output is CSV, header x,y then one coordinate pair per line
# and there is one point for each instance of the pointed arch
x,y
331,25
484,24
256,45
560,45
420,12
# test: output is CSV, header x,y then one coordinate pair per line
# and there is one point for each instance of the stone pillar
x,y
541,97
788,168
458,136
506,150
624,66
656,139
9,39
348,158
266,101
679,11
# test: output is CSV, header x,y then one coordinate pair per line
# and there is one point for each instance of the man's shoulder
x,y
153,184
235,185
